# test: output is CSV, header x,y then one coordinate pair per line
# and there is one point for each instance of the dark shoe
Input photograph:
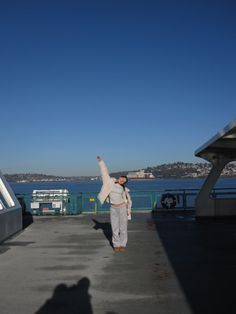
x,y
122,248
116,249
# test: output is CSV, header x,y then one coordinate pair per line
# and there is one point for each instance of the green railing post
x,y
95,207
184,200
154,200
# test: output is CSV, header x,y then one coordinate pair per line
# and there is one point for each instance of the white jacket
x,y
107,186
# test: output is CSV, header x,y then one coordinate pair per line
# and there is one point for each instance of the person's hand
x,y
129,215
99,158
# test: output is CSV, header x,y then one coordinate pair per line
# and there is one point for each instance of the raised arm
x,y
103,169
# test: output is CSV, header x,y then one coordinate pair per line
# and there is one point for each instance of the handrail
x,y
143,200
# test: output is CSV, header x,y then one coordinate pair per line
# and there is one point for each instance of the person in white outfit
x,y
114,191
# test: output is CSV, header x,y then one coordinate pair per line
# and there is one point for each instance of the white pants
x,y
119,222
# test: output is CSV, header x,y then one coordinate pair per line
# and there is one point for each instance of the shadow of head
x,y
69,299
83,284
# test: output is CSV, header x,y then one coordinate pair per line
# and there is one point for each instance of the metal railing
x,y
159,200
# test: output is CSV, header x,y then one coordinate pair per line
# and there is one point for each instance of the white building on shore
x,y
140,174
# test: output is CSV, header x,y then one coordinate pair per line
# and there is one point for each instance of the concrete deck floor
x,y
173,264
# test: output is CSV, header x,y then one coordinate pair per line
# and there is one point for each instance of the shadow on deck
x,y
173,264
203,256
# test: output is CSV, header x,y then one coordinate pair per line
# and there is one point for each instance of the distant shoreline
x,y
177,170
131,180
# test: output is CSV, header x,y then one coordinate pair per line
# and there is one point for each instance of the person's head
x,y
122,180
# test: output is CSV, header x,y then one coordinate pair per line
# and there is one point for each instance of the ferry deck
x,y
173,264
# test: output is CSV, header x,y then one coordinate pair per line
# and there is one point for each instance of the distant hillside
x,y
184,170
36,177
180,170
171,170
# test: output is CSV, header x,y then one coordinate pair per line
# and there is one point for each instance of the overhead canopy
x,y
222,145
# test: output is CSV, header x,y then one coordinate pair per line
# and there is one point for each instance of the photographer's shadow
x,y
69,300
106,228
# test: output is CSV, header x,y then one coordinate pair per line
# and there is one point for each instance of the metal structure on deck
x,y
10,211
219,151
50,202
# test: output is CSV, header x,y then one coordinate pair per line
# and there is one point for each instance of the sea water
x,y
134,185
146,194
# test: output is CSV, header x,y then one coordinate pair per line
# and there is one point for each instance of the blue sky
x,y
140,83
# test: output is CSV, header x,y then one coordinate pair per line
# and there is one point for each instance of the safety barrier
x,y
158,200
